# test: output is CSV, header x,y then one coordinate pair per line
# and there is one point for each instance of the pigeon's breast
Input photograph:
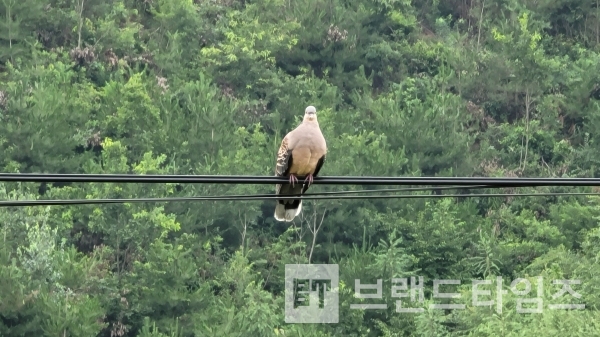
x,y
304,160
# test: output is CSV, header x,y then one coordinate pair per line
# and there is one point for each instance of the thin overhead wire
x,y
91,201
255,196
21,203
331,180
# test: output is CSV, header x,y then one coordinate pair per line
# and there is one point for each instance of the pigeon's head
x,y
310,114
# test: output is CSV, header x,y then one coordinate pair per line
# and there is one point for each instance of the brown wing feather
x,y
319,165
283,156
284,161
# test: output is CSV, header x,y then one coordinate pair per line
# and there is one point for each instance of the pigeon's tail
x,y
287,209
287,212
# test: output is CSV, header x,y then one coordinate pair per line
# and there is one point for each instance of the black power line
x,y
331,180
6,203
11,203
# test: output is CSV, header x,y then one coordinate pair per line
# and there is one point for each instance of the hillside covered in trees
x,y
488,88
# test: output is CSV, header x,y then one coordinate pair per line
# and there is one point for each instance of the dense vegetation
x,y
402,88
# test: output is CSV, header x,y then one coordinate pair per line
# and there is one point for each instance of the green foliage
x,y
402,88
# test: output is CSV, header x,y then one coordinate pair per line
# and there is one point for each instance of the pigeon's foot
x,y
293,180
309,179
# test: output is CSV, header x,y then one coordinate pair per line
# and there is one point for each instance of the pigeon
x,y
301,154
